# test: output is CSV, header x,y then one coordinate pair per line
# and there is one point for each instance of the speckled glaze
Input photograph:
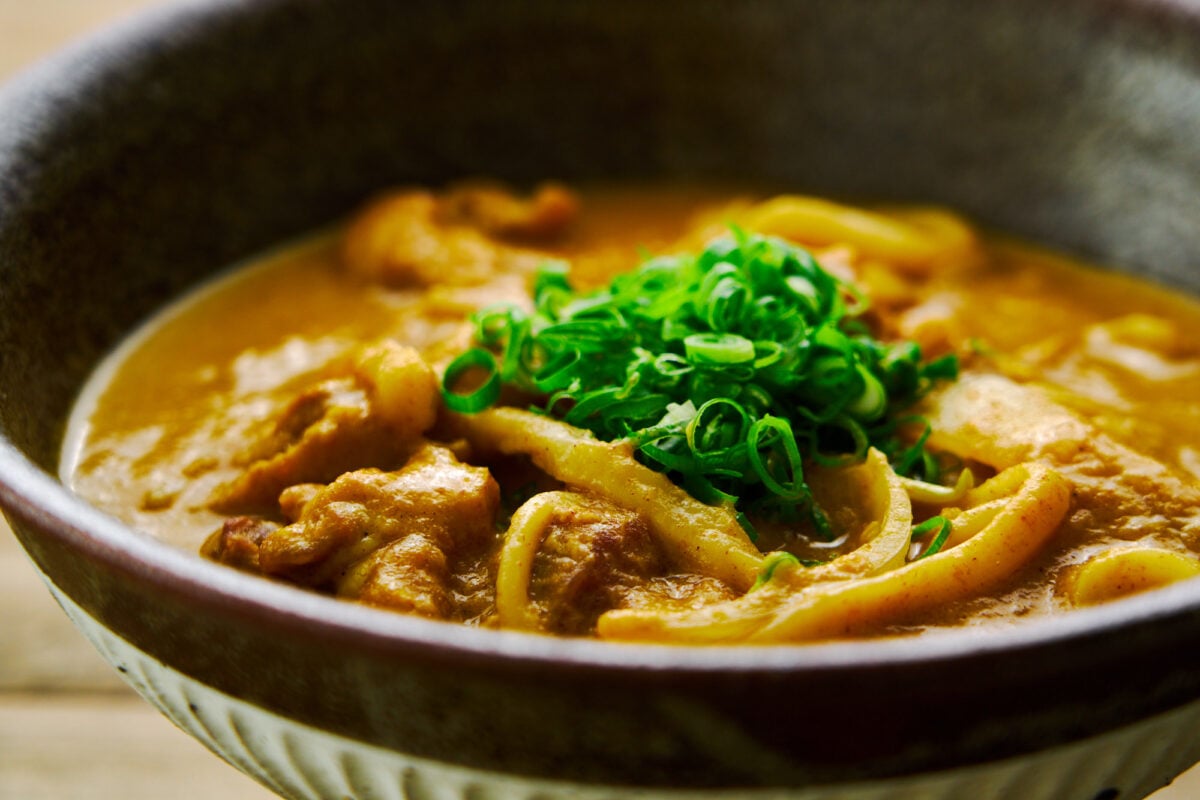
x,y
139,162
300,762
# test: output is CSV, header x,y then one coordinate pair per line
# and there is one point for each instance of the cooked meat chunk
x,y
293,499
410,575
449,504
324,432
682,592
238,541
993,420
415,239
592,554
370,419
403,387
544,215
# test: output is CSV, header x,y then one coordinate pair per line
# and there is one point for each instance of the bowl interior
x,y
134,166
163,152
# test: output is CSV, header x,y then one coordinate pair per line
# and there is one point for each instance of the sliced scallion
x,y
729,370
485,395
942,527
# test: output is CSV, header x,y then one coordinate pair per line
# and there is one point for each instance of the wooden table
x,y
69,728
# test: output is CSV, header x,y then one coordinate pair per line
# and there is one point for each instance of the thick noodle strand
x,y
699,538
884,549
912,244
1037,507
525,533
779,612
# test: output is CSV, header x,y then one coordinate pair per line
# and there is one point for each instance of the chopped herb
x,y
728,370
939,524
747,526
921,492
771,563
483,397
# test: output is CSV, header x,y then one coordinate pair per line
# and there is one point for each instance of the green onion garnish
x,y
939,524
729,370
488,392
718,348
771,563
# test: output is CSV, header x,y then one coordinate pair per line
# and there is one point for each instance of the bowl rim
x,y
29,494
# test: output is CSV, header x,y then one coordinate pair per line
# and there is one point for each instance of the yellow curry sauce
x,y
1077,414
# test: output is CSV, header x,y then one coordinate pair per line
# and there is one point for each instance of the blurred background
x,y
70,729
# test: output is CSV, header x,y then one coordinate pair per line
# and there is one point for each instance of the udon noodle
x,y
667,415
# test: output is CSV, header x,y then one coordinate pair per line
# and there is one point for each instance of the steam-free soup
x,y
679,415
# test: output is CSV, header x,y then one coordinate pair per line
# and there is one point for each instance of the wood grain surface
x,y
70,729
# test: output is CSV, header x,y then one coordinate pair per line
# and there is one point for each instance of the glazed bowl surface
x,y
146,159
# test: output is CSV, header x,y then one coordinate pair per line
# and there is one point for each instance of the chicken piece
x,y
991,419
404,389
592,552
676,593
411,575
293,499
933,324
237,542
413,239
544,215
370,419
385,539
434,495
324,432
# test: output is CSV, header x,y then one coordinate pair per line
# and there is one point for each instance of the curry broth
x,y
184,391
161,424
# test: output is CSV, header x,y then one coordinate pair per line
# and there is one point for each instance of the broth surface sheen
x,y
287,419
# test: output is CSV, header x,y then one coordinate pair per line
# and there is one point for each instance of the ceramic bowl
x,y
139,162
